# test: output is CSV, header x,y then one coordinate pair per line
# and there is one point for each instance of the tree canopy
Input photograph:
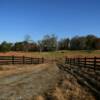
x,y
51,43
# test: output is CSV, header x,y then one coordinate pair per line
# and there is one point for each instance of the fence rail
x,y
90,63
20,60
86,70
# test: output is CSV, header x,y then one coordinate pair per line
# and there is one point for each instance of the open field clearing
x,y
39,82
24,83
42,81
57,54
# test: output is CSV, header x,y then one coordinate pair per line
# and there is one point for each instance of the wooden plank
x,y
20,59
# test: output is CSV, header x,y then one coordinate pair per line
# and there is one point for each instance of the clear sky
x,y
65,18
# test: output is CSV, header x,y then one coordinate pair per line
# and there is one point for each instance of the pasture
x,y
55,54
45,81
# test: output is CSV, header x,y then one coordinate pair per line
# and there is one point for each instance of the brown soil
x,y
27,82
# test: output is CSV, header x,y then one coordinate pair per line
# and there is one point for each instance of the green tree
x,y
90,42
18,46
63,44
74,43
4,47
48,43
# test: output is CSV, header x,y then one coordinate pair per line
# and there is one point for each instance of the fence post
x,y
42,60
85,62
94,63
23,58
70,62
65,60
73,61
12,59
79,62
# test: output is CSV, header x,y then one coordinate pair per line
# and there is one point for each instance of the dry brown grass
x,y
27,82
57,54
67,89
38,98
6,70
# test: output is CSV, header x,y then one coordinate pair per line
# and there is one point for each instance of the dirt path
x,y
26,84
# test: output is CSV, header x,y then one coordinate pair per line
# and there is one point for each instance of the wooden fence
x,y
86,70
86,62
20,60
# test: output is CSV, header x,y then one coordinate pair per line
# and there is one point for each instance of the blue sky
x,y
64,18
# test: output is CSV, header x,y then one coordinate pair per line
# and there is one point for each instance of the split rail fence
x,y
20,60
87,71
86,62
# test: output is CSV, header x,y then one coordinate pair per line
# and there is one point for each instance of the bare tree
x,y
48,43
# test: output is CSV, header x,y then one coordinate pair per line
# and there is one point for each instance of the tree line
x,y
51,43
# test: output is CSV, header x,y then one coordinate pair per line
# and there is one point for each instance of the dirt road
x,y
28,82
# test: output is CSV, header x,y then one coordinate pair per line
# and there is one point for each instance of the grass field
x,y
57,54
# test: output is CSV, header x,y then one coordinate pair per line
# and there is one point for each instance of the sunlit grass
x,y
57,54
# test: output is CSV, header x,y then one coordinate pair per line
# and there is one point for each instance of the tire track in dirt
x,y
9,80
26,85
